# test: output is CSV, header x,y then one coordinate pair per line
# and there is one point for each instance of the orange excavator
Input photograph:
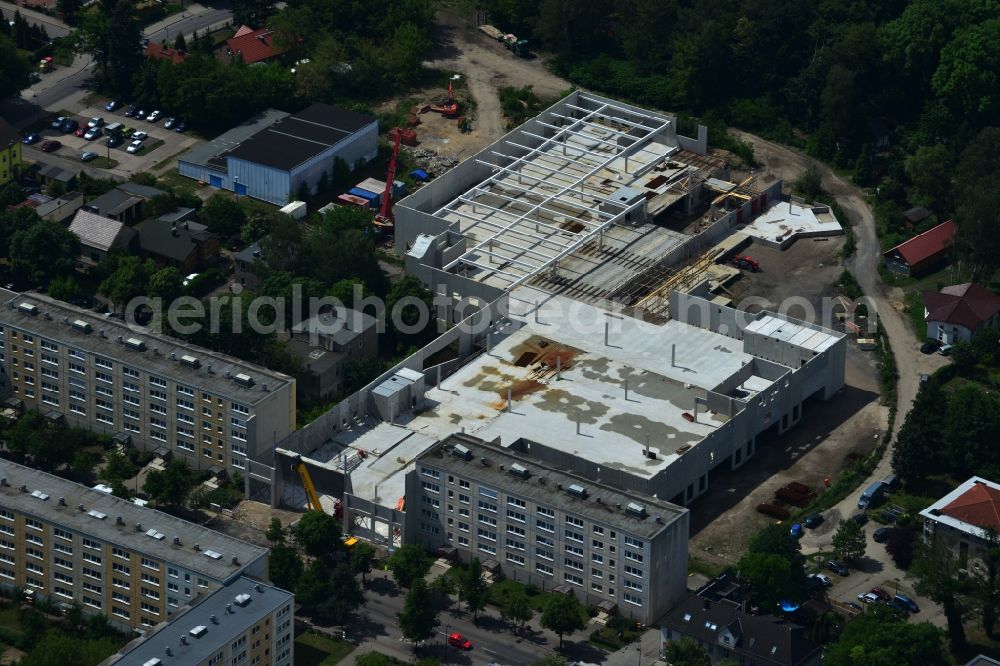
x,y
449,106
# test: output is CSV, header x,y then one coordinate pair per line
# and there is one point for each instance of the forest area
x,y
900,94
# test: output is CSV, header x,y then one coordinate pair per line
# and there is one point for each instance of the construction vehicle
x,y
518,47
385,220
745,263
311,495
448,106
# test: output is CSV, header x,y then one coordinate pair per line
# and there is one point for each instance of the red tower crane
x,y
385,218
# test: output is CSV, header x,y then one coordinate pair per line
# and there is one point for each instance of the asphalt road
x,y
194,19
53,26
376,629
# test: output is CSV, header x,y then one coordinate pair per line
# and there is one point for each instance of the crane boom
x,y
385,218
307,483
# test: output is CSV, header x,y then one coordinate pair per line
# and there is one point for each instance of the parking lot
x,y
161,144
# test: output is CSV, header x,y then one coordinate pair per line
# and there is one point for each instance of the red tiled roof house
x,y
159,52
252,45
922,254
962,519
956,313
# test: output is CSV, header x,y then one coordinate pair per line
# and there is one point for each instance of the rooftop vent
x,y
236,561
242,600
637,510
138,527
152,662
258,587
177,541
197,546
82,326
214,555
519,471
213,619
119,521
28,308
484,461
80,507
152,533
62,501
39,494
24,488
462,452
229,609
120,340
173,356
190,361
199,631
577,491
243,380
136,344
97,514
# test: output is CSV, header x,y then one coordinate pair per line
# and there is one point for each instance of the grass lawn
x,y
150,145
501,589
312,649
103,163
94,99
167,160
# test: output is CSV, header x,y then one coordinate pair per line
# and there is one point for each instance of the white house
x,y
957,312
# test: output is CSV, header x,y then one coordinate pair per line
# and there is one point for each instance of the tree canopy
x,y
562,615
319,534
883,638
849,540
408,564
418,618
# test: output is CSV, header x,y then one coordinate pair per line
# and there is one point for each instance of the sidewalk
x,y
191,10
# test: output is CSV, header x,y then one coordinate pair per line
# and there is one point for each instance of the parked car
x,y
140,136
87,156
908,602
882,534
57,123
32,137
115,140
796,531
180,126
140,113
69,125
134,147
861,518
855,606
112,105
930,347
130,110
899,605
838,568
81,131
153,117
868,598
128,132
820,579
92,133
945,350
169,122
813,520
96,121
881,594
50,146
459,641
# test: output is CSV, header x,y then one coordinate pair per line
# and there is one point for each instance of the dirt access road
x,y
487,66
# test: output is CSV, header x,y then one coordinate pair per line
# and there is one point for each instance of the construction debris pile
x,y
431,162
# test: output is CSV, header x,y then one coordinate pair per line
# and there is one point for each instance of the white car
x,y
140,136
190,278
822,579
95,122
153,117
868,598
92,133
57,123
134,147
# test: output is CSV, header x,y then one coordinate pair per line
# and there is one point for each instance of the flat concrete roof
x,y
208,626
785,221
99,518
160,357
796,334
547,485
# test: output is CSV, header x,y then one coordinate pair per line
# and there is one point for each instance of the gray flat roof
x,y
99,518
57,326
230,620
207,154
548,485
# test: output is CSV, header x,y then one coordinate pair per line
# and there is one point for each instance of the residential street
x,y
53,26
195,17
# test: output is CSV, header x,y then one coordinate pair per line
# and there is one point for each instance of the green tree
x,y
363,558
374,659
402,56
418,618
172,485
849,540
937,572
771,580
472,587
550,660
44,251
64,288
409,564
165,283
54,646
686,652
407,302
319,534
962,79
14,69
275,532
128,278
284,566
562,615
118,467
881,637
222,215
84,462
48,444
180,43
69,10
809,183
517,609
918,443
345,596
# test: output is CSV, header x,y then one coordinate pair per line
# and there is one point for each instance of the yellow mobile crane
x,y
313,497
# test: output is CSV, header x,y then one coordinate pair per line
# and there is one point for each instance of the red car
x,y
50,146
881,594
459,641
81,131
